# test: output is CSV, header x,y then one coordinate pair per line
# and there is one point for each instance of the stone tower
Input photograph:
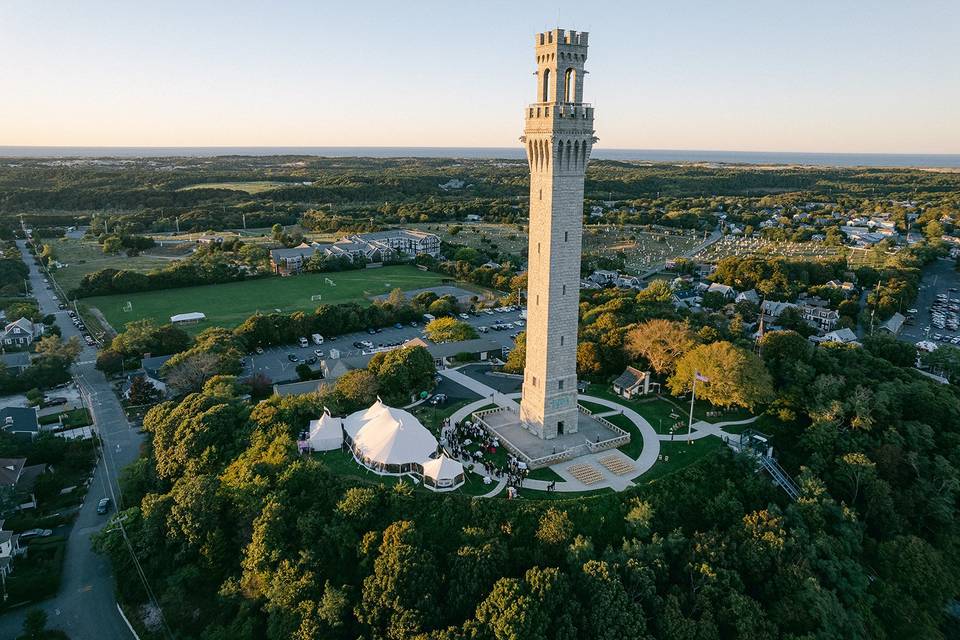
x,y
558,135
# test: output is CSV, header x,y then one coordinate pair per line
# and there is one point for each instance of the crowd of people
x,y
459,441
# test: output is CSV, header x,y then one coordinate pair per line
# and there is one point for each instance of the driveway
x,y
86,606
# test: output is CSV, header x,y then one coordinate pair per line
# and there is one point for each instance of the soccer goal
x,y
128,306
330,282
316,297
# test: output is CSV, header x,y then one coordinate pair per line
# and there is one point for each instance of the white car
x,y
464,316
318,353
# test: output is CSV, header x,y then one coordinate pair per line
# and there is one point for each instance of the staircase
x,y
780,476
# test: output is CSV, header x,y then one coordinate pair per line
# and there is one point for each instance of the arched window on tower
x,y
546,85
570,85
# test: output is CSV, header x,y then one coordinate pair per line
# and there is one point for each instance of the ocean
x,y
649,155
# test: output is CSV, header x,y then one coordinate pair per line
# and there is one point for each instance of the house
x,y
210,240
153,365
629,282
20,479
603,277
726,291
816,312
774,309
15,362
472,217
21,333
481,349
299,388
631,383
750,295
846,287
840,336
894,323
9,549
452,183
332,368
686,299
21,421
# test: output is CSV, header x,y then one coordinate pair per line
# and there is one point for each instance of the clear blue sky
x,y
817,75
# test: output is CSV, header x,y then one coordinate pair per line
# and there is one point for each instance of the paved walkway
x,y
647,458
643,463
488,393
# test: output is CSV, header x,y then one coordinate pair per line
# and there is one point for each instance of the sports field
x,y
227,305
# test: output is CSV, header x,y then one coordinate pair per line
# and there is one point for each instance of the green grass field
x,y
228,305
252,187
83,257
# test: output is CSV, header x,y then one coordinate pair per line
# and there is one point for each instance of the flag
x,y
702,378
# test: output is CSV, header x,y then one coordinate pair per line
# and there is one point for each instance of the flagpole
x,y
693,395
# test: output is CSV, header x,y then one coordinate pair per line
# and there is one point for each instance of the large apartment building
x,y
376,247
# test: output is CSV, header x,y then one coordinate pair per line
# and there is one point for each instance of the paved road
x,y
86,607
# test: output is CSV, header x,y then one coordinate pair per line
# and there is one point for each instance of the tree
x,y
402,372
142,391
112,244
659,342
588,359
189,373
517,359
54,347
449,330
398,598
735,377
357,389
34,625
109,361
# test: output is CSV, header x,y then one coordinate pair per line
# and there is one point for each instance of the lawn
x,y
229,304
71,418
83,257
252,187
343,464
662,413
593,407
679,454
635,446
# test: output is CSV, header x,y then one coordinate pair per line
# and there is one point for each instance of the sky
x,y
858,76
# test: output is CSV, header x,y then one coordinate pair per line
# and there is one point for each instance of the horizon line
x,y
472,147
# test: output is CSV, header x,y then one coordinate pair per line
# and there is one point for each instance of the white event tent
x,y
442,473
388,440
325,434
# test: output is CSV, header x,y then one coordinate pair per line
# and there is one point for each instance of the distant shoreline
x,y
767,158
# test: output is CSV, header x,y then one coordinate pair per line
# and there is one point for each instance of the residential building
x,y
20,421
21,333
18,477
750,295
818,314
726,291
840,336
15,362
894,323
9,549
375,247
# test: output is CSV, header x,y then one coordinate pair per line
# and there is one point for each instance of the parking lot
x,y
937,307
275,362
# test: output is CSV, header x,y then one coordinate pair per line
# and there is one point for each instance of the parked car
x,y
438,399
54,401
292,357
371,330
318,353
104,505
358,344
259,350
398,325
464,316
35,533
311,360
